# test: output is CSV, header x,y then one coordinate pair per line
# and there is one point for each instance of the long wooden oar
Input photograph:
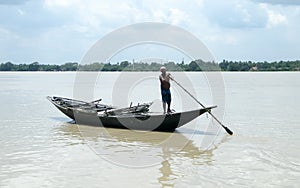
x,y
226,128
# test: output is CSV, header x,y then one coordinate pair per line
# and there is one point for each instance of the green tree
x,y
8,66
33,66
193,66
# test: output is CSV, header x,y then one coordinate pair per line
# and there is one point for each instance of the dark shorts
x,y
166,95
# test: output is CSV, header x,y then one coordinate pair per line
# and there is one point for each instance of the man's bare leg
x,y
164,107
169,109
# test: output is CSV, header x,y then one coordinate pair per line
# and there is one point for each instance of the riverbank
x,y
197,65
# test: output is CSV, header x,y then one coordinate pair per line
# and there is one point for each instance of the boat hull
x,y
147,121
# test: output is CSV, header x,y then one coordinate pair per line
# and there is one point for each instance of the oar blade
x,y
228,130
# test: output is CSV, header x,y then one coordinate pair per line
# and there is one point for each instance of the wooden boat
x,y
133,117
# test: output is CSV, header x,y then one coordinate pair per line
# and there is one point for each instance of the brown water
x,y
41,147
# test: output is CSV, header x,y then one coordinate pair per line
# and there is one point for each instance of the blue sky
x,y
59,31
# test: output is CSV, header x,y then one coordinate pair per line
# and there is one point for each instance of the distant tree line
x,y
197,65
260,66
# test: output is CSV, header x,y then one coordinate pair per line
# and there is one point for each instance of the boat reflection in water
x,y
142,149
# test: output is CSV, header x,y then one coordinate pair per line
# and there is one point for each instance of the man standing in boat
x,y
165,88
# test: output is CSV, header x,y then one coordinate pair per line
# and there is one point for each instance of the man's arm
x,y
160,78
170,76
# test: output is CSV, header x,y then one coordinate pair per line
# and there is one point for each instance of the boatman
x,y
165,88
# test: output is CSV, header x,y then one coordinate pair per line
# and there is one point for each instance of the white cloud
x,y
280,2
229,28
172,15
235,14
96,12
12,2
6,35
178,16
59,3
98,16
276,19
21,12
